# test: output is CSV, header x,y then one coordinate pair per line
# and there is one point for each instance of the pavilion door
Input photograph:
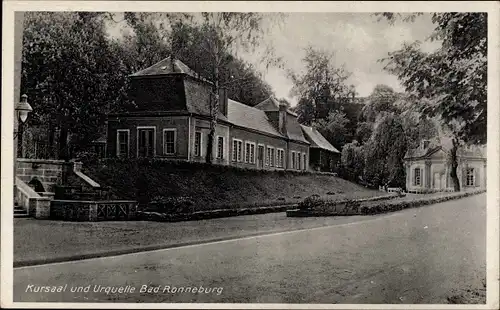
x,y
146,142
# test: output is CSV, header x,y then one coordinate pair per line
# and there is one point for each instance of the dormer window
x,y
425,144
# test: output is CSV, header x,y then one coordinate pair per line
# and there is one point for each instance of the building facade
x,y
171,120
428,170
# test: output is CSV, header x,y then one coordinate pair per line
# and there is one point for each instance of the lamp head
x,y
23,108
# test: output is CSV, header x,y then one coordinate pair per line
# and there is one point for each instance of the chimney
x,y
223,101
282,119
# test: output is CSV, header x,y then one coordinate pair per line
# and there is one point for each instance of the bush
x,y
352,206
172,205
311,202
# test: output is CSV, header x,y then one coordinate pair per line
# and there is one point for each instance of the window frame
x,y
419,183
154,138
200,144
165,130
271,154
470,172
118,131
280,155
237,156
249,153
223,146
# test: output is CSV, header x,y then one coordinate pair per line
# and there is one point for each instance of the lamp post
x,y
22,109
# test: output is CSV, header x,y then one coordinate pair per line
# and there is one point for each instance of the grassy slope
x,y
216,186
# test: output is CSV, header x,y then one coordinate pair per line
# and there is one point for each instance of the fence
x,y
80,210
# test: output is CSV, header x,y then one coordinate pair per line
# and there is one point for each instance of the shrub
x,y
311,202
172,205
352,206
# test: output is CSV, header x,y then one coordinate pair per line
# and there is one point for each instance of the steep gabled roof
x,y
293,130
271,104
249,117
317,140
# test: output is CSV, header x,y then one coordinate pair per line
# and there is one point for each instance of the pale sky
x,y
357,39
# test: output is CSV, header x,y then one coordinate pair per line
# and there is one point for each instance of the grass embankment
x,y
216,187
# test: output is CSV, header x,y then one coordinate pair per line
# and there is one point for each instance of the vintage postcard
x,y
250,154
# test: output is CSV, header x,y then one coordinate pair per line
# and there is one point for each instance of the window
x,y
416,177
146,142
425,144
270,156
292,166
304,159
250,152
197,143
470,177
169,141
297,165
220,147
237,150
122,142
280,158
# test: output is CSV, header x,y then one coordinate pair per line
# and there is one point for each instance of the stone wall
x,y
49,172
80,210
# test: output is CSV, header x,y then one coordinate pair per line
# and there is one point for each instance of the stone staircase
x,y
20,212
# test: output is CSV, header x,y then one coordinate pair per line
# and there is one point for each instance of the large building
x,y
171,120
428,170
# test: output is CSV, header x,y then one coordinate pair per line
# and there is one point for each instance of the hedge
x,y
374,206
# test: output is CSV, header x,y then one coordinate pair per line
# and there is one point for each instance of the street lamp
x,y
22,110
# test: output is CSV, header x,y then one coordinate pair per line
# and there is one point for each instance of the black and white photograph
x,y
230,154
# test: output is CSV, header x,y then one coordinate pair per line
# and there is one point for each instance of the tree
x,y
67,73
333,128
450,83
322,88
418,127
381,101
385,152
217,37
353,161
363,132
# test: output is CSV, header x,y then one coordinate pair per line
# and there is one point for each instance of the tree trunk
x,y
454,166
63,142
214,109
213,124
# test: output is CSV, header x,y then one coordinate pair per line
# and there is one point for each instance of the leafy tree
x,y
418,127
322,88
333,128
67,73
450,83
363,132
381,101
217,36
353,161
385,152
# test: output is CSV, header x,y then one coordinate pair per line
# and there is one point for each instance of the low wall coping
x,y
95,201
87,179
41,161
26,189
